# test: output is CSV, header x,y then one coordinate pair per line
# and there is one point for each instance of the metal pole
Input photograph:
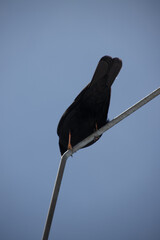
x,y
55,195
82,144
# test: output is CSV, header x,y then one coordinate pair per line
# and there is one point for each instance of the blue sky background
x,y
49,52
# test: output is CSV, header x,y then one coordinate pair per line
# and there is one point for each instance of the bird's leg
x,y
96,138
69,141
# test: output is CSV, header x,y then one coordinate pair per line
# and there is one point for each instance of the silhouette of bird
x,y
89,110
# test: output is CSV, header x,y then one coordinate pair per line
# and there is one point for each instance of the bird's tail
x,y
109,67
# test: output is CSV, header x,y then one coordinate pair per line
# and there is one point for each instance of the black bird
x,y
89,110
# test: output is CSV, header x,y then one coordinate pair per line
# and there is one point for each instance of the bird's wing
x,y
72,106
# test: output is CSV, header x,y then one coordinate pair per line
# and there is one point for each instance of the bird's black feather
x,y
90,107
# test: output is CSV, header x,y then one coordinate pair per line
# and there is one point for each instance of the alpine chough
x,y
89,110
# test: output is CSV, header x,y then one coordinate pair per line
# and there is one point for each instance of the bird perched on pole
x,y
89,110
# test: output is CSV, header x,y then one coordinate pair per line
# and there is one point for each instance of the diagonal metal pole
x,y
68,153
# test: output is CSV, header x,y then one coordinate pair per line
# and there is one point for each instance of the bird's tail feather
x,y
109,67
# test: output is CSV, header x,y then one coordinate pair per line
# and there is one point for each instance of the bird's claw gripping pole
x,y
87,140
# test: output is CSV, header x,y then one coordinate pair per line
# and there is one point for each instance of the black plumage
x,y
89,110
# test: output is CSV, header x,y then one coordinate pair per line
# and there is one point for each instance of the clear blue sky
x,y
48,52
